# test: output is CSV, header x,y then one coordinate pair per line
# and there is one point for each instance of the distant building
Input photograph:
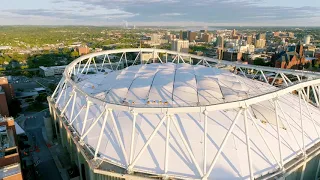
x,y
184,35
309,51
206,38
260,43
203,31
249,40
293,58
220,42
307,39
231,56
261,36
169,36
4,111
155,38
10,168
7,89
51,71
83,50
192,36
247,49
291,34
276,34
234,33
180,45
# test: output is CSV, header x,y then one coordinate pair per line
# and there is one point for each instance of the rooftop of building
x,y
170,85
52,67
9,156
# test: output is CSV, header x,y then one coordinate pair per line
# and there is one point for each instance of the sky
x,y
161,12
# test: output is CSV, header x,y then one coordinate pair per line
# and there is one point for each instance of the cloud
x,y
71,11
210,12
172,14
76,15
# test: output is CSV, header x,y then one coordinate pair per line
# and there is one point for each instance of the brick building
x,y
192,36
4,110
291,59
9,156
7,88
6,96
83,50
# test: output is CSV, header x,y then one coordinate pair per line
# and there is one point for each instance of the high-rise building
x,y
260,43
180,45
169,36
249,39
7,88
234,33
192,36
4,111
261,36
184,35
220,41
307,39
6,96
206,37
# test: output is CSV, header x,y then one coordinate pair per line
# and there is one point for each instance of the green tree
x,y
66,51
74,54
259,62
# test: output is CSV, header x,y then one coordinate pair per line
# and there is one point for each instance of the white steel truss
x,y
306,84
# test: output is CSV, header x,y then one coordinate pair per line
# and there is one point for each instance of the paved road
x,y
44,162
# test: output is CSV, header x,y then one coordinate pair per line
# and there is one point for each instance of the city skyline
x,y
161,12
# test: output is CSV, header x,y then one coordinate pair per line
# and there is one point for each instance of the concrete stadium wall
x,y
76,156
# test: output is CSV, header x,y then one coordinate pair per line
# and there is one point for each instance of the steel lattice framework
x,y
301,86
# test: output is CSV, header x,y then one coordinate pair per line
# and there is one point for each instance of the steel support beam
x,y
85,117
264,77
119,62
67,104
205,126
147,143
290,127
101,133
264,140
205,177
166,160
274,79
301,124
315,95
132,136
278,133
186,145
92,125
248,144
119,137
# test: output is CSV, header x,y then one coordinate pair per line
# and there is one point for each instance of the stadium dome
x,y
189,120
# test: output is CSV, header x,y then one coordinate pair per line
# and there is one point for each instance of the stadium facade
x,y
182,116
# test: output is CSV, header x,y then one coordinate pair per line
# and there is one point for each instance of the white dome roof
x,y
184,85
171,85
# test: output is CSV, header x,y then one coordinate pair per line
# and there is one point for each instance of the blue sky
x,y
161,12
